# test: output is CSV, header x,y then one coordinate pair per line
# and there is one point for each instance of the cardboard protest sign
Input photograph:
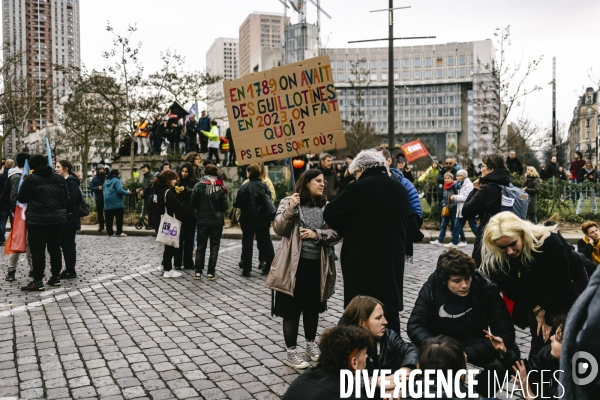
x,y
414,150
284,112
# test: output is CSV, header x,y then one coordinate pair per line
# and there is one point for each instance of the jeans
x,y
263,241
204,234
100,210
190,143
69,249
4,212
213,152
168,255
185,252
459,224
14,258
445,222
110,216
40,238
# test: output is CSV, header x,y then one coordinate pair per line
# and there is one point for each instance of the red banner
x,y
414,150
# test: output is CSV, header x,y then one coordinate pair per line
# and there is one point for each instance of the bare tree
x,y
359,132
503,88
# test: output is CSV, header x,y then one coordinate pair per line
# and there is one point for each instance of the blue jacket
x,y
413,195
203,124
97,181
113,194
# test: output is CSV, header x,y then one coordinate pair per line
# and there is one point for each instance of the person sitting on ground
x,y
342,348
589,245
531,371
389,350
457,301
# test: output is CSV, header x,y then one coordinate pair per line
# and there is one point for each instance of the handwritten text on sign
x,y
283,112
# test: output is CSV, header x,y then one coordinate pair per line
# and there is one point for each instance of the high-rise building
x,y
46,32
436,92
261,42
222,60
584,130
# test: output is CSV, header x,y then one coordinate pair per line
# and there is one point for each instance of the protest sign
x,y
284,112
414,150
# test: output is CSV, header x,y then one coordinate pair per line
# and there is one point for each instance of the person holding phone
x,y
303,272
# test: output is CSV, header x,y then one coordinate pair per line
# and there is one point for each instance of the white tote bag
x,y
170,228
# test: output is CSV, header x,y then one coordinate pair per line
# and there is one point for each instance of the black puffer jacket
x,y
254,199
46,195
394,354
485,202
483,308
73,219
185,197
171,205
209,199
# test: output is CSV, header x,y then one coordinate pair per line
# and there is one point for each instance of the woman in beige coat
x,y
303,271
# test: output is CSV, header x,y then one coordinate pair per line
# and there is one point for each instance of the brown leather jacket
x,y
282,276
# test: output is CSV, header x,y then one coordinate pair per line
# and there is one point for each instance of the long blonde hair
x,y
508,224
533,172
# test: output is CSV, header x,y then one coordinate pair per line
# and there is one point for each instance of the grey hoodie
x,y
14,175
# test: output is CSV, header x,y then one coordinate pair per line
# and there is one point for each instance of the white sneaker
x,y
171,274
294,360
462,244
312,351
450,245
434,242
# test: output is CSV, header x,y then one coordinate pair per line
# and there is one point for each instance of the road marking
x,y
143,270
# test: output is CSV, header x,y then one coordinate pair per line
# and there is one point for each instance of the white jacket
x,y
462,195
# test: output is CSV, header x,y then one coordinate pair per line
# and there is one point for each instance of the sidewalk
x,y
236,233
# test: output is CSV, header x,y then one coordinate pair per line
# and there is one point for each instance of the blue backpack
x,y
515,200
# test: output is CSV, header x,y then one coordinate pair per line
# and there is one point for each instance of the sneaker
x,y
450,245
54,281
246,274
68,275
312,350
294,360
122,235
160,268
435,242
262,265
178,268
34,286
10,276
212,277
198,275
171,274
462,244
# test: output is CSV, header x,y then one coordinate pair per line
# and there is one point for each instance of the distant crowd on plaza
x,y
520,273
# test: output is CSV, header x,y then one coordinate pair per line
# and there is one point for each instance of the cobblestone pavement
x,y
120,330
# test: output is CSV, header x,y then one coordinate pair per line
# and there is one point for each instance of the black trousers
x,y
69,248
149,204
190,143
110,216
213,152
168,255
203,144
185,253
40,238
204,234
263,242
100,209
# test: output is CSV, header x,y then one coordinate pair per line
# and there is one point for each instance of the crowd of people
x,y
520,273
173,134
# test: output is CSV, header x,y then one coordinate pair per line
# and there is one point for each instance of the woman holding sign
x,y
303,272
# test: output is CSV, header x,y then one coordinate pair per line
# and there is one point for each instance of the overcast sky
x,y
567,30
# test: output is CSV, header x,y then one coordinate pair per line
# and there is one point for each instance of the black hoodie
x,y
46,195
485,202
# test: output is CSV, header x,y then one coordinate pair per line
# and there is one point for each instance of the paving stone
x,y
134,392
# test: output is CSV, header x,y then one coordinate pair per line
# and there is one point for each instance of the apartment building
x,y
436,88
584,130
221,59
261,41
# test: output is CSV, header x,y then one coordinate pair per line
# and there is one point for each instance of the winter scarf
x,y
447,186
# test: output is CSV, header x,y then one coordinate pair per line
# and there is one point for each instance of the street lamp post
x,y
390,39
